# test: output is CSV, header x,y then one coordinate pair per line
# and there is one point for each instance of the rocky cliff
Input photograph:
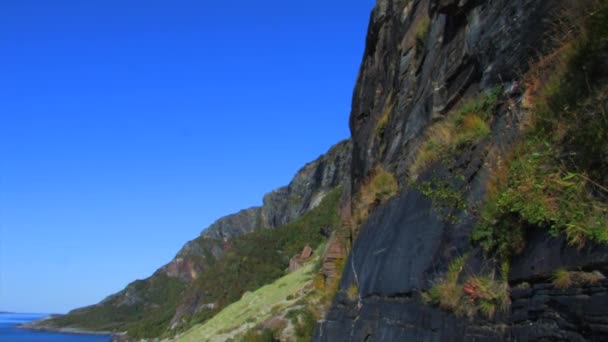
x,y
469,106
308,187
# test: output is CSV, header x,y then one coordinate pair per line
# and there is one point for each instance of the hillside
x,y
185,291
269,305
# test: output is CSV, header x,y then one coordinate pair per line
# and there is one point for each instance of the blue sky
x,y
126,127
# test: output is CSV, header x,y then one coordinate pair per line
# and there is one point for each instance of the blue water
x,y
9,332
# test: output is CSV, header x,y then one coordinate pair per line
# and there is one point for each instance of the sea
x,y
10,333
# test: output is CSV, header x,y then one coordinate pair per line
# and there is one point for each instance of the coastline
x,y
39,326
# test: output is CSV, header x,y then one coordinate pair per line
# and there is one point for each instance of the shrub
x,y
304,325
445,197
258,335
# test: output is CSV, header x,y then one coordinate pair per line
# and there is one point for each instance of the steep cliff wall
x,y
421,57
432,70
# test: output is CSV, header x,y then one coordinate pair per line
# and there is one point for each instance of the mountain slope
x,y
256,307
145,308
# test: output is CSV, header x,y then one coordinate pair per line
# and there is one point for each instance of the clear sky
x,y
126,127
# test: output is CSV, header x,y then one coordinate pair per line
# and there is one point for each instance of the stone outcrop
x,y
297,261
421,56
334,254
193,258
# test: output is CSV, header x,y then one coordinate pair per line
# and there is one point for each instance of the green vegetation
x,y
258,335
251,261
555,178
563,279
466,125
379,188
447,293
303,321
540,192
476,294
261,257
157,297
253,309
444,196
292,313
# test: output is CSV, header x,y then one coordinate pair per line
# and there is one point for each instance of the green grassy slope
x,y
146,307
259,258
253,308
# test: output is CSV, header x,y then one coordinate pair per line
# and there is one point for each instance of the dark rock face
x,y
545,254
402,247
543,313
417,79
417,73
400,319
399,252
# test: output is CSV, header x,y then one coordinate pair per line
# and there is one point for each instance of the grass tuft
x,y
353,292
380,186
563,279
466,125
477,294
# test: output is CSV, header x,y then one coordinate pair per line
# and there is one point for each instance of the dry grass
x,y
485,294
380,186
563,279
353,293
553,178
436,142
380,128
467,124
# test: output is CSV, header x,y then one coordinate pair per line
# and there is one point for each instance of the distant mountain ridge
x,y
159,296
